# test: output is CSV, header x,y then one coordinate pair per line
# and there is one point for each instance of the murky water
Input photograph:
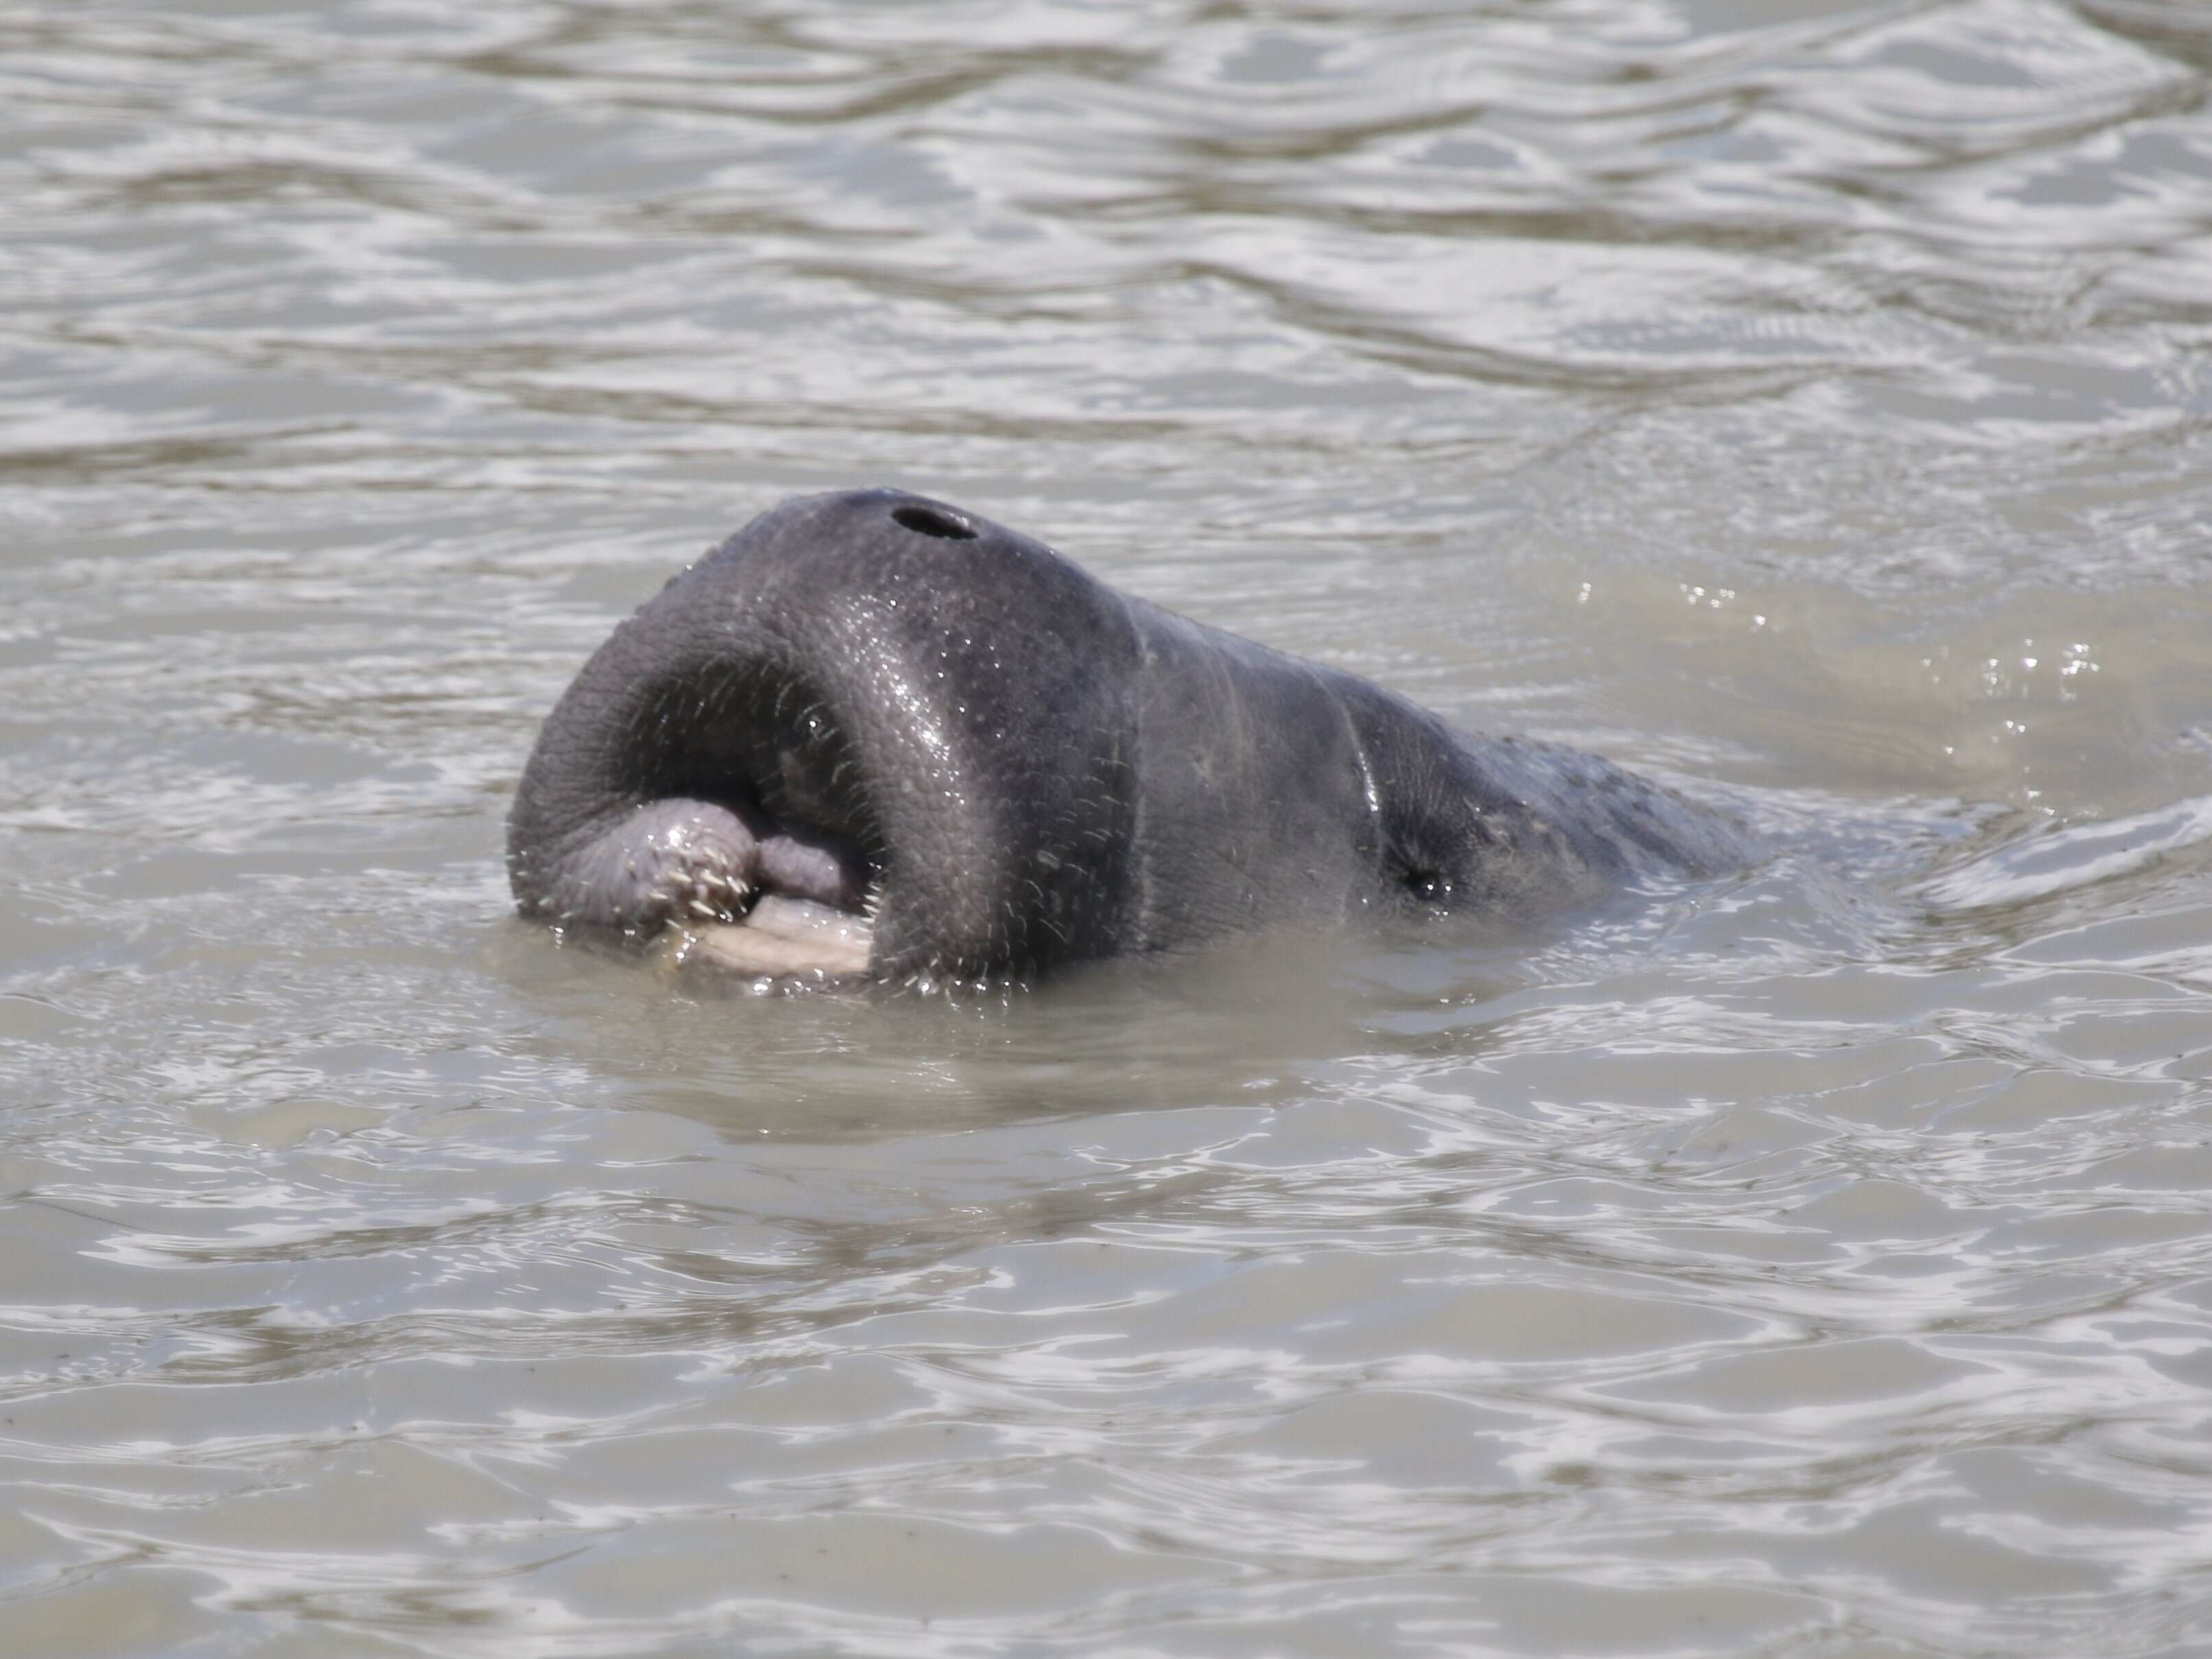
x,y
1808,397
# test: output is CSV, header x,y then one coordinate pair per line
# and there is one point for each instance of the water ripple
x,y
1805,401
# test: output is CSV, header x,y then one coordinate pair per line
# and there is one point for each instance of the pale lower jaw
x,y
785,937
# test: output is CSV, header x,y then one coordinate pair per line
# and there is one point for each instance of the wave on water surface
x,y
1803,399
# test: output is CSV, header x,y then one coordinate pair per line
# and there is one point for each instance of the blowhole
x,y
934,521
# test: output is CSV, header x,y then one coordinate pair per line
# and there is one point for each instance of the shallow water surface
x,y
1806,401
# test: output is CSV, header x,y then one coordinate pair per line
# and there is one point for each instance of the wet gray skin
x,y
873,733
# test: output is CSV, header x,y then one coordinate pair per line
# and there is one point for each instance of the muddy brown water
x,y
1809,401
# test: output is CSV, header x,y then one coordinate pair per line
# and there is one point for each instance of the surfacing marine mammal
x,y
874,733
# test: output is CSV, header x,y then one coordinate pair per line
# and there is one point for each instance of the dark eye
x,y
1430,886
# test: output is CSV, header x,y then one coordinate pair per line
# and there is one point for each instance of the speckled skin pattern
x,y
890,704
